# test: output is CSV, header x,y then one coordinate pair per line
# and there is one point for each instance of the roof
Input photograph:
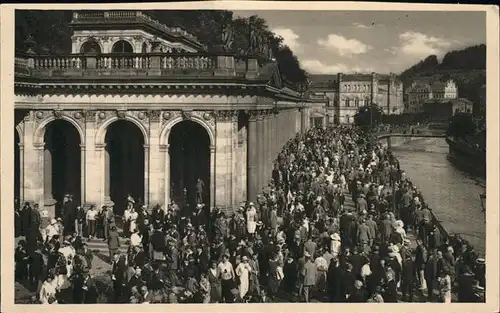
x,y
356,77
451,101
322,81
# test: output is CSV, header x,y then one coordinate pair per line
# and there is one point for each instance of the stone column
x,y
32,162
212,176
156,180
21,173
165,149
48,200
82,174
91,167
265,151
107,174
224,162
146,176
252,159
270,148
278,134
260,153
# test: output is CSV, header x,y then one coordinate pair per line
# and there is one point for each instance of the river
x,y
452,194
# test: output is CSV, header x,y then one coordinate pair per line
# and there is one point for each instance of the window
x,y
122,46
347,103
90,46
356,103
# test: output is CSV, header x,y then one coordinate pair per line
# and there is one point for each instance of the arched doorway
x,y
125,149
189,153
62,164
17,166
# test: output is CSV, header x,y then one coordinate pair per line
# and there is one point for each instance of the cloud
x,y
421,45
318,67
359,25
343,46
290,38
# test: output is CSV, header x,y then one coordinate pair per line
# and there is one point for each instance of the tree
x,y
461,125
368,116
49,29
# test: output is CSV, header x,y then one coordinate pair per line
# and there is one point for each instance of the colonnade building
x,y
138,108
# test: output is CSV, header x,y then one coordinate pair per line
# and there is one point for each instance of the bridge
x,y
391,139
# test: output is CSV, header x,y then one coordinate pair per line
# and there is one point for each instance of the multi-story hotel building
x,y
346,93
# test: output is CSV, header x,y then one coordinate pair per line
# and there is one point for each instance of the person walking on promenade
x,y
431,275
309,274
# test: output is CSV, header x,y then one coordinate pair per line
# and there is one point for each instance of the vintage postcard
x,y
231,154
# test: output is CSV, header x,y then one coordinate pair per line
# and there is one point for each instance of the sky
x,y
329,42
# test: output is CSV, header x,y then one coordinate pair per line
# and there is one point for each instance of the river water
x,y
452,194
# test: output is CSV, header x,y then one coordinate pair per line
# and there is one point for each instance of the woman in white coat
x,y
243,272
48,290
251,219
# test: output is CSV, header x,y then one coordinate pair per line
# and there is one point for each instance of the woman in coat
x,y
215,283
243,271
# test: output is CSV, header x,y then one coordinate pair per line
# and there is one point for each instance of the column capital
x,y
100,146
146,147
82,146
212,148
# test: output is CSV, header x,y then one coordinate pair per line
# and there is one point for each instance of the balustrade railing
x,y
127,61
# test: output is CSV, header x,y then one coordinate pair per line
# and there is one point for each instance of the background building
x,y
421,91
443,109
346,93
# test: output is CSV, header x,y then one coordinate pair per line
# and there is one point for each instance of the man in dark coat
x,y
431,274
200,188
335,283
409,277
68,215
36,268
390,291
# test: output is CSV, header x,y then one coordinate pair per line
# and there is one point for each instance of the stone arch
x,y
20,133
101,131
91,41
38,136
165,132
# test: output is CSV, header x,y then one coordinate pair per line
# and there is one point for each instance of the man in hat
x,y
309,276
68,213
108,218
200,215
173,262
409,276
200,189
361,204
113,240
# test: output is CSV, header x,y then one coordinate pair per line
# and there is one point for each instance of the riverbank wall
x,y
394,140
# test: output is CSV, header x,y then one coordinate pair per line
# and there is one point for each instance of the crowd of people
x,y
334,225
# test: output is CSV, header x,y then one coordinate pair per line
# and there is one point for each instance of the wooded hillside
x,y
467,67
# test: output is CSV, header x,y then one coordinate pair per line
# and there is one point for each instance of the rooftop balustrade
x,y
134,64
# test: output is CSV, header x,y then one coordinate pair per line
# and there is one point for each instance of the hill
x,y
467,67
